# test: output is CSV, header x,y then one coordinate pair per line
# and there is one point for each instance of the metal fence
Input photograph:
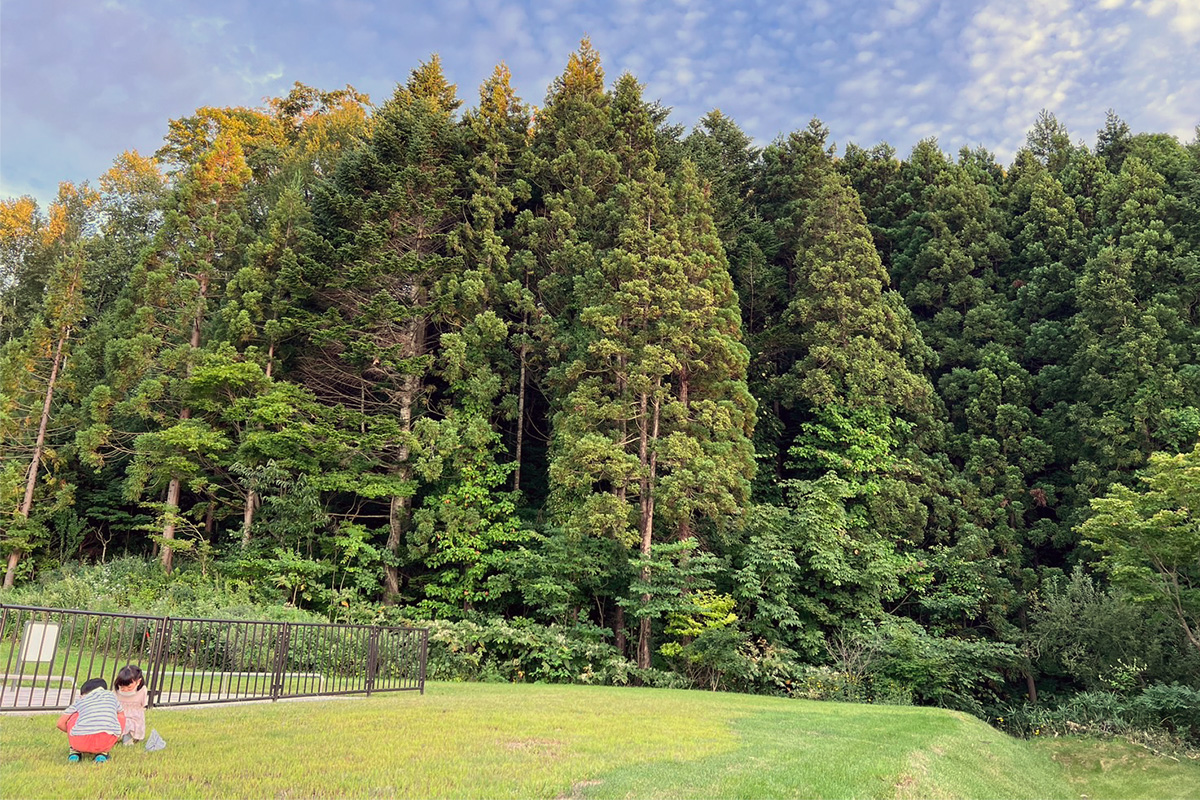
x,y
48,653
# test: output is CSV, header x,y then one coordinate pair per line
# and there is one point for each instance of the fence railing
x,y
46,654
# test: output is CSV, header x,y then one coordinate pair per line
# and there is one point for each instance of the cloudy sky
x,y
83,80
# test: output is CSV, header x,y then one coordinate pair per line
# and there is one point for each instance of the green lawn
x,y
488,740
1119,770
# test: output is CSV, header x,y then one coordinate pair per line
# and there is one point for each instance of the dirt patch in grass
x,y
548,747
577,790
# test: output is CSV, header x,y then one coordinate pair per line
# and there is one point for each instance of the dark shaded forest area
x,y
651,405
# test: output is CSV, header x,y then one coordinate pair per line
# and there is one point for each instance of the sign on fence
x,y
38,642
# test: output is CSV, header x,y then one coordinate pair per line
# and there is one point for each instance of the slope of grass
x,y
487,740
1119,770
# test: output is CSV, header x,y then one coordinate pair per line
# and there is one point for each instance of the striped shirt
x,y
97,712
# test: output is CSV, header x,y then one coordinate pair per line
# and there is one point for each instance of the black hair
x,y
130,675
93,683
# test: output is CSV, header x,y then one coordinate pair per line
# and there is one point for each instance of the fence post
x,y
372,658
285,631
15,644
424,655
157,659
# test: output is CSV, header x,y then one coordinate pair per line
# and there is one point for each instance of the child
x,y
131,694
93,723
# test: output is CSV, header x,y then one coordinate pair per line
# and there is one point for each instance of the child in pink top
x,y
131,694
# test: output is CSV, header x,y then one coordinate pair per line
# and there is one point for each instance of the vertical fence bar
x,y
424,656
203,657
8,661
181,656
78,654
157,663
304,662
256,662
216,660
37,664
248,659
281,652
264,666
225,670
107,646
176,659
254,633
165,645
328,663
237,650
119,654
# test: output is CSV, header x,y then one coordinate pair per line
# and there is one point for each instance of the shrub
x,y
1160,709
521,650
942,671
1091,638
134,585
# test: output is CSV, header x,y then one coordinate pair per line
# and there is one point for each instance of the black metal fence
x,y
48,653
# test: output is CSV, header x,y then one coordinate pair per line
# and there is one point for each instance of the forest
x,y
603,399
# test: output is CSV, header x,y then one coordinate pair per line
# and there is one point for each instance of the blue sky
x,y
83,80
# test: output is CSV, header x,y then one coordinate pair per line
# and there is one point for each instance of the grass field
x,y
488,740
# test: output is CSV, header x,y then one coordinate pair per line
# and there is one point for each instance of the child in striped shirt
x,y
93,723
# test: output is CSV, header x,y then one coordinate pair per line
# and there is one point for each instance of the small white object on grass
x,y
155,742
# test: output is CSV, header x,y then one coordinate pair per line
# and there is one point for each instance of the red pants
x,y
93,743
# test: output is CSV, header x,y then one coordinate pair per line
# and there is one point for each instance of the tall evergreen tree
x,y
45,351
198,248
385,217
1134,334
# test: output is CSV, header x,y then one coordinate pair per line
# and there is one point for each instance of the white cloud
x,y
904,12
1075,59
974,73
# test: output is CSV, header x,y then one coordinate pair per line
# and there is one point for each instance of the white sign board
x,y
39,642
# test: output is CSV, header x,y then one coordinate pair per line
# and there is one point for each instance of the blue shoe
x,y
73,758
101,759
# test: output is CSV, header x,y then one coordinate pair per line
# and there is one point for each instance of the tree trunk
x,y
14,558
167,554
210,518
619,631
1030,686
520,415
400,508
173,487
685,520
398,514
10,574
248,517
649,461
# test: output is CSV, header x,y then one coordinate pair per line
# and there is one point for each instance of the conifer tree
x,y
468,520
45,352
653,430
1133,335
198,248
385,218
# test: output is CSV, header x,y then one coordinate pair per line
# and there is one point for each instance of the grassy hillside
x,y
487,740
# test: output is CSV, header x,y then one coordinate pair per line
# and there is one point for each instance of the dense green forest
x,y
724,415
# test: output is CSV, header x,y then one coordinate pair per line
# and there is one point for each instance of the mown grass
x,y
487,740
1119,770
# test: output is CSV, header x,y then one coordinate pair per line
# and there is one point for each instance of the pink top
x,y
133,703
